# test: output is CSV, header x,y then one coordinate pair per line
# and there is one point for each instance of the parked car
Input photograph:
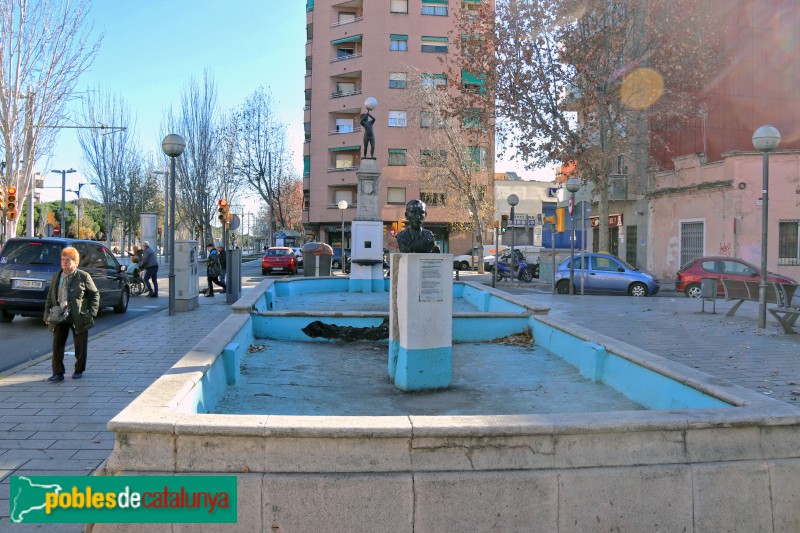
x,y
466,261
28,264
687,280
298,256
279,258
336,260
605,273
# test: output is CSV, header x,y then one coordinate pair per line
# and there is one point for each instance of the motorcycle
x,y
522,270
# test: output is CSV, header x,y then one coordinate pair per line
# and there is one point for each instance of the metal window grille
x,y
691,241
789,242
630,244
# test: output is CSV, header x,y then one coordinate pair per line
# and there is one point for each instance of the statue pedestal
x,y
421,321
366,265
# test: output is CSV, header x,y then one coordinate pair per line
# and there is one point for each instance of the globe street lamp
x,y
173,145
63,229
512,200
342,207
573,186
765,139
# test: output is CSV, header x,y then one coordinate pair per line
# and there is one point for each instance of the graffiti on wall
x,y
725,249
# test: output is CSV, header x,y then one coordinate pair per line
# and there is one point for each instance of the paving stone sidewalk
x,y
60,428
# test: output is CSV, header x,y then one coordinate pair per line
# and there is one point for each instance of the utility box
x,y
708,291
187,283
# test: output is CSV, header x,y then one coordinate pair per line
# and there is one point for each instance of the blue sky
x,y
152,48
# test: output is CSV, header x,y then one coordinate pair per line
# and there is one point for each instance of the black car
x,y
27,265
336,260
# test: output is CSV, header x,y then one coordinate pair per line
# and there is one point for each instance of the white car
x,y
298,256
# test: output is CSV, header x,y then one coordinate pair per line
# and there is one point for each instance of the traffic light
x,y
224,212
197,233
561,217
393,231
503,223
2,199
11,202
401,225
549,220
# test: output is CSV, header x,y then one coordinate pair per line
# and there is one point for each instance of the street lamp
x,y
164,246
765,139
63,230
173,145
342,206
573,186
512,200
78,192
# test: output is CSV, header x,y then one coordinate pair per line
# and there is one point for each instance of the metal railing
x,y
344,22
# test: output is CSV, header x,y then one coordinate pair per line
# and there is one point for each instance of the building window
x,y
306,165
397,119
397,80
345,51
433,81
428,119
432,158
346,16
434,45
471,83
789,242
472,118
344,160
432,198
345,89
398,43
478,155
344,125
396,195
398,6
434,8
343,194
397,157
692,241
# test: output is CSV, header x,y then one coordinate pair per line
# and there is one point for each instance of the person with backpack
x,y
213,269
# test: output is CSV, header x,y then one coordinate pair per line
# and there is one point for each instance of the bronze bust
x,y
415,239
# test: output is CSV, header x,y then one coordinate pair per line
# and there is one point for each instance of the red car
x,y
688,278
279,258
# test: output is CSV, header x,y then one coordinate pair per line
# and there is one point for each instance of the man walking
x,y
149,265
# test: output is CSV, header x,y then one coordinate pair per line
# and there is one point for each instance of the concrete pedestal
x,y
366,265
421,321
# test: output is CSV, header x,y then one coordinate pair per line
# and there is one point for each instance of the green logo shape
x,y
123,499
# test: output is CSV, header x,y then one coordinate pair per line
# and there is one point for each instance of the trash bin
x,y
316,259
708,291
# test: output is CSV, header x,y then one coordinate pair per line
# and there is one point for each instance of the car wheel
x,y
562,287
5,316
692,291
638,289
463,265
122,306
336,264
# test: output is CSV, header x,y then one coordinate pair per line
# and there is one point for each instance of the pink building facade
x,y
365,48
701,209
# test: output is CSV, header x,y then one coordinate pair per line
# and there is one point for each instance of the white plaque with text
x,y
430,280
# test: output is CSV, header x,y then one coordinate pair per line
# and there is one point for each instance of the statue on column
x,y
415,239
367,120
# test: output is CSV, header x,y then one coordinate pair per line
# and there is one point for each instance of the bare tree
x,y
581,81
111,157
263,157
43,51
200,179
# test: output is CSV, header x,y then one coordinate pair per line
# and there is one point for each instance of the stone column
x,y
366,274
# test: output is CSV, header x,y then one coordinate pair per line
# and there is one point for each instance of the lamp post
x,y
512,200
78,192
164,246
342,206
765,139
172,145
573,186
63,198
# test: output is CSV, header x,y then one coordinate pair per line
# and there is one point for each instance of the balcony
x,y
344,131
345,22
345,57
342,94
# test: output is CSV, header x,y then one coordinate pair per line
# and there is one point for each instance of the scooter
x,y
522,272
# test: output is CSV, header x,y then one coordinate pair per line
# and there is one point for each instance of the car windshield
x,y
277,252
31,253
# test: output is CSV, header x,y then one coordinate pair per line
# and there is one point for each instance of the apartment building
x,y
366,48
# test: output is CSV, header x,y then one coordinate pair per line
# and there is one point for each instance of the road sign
x,y
571,205
235,222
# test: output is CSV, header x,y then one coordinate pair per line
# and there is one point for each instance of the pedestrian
x,y
149,265
213,269
222,262
72,303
